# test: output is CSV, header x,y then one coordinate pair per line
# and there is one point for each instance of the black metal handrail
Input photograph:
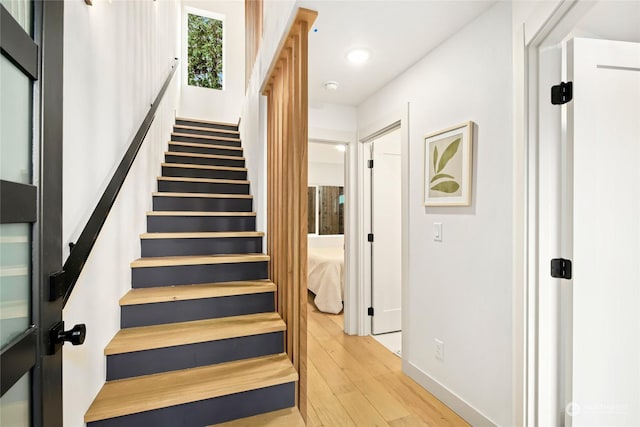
x,y
63,282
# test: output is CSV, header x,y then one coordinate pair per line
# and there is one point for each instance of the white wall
x,y
211,104
276,16
116,57
326,174
333,117
326,164
461,287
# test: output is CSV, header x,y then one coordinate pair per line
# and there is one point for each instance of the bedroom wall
x,y
461,288
326,167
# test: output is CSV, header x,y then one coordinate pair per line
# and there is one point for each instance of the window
x,y
326,210
205,58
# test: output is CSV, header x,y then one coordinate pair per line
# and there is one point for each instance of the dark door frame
x,y
40,56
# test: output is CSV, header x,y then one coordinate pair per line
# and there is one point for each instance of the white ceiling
x,y
397,32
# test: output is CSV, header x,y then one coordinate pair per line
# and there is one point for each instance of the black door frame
x,y
43,62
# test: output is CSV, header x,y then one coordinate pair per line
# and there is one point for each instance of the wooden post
x,y
286,89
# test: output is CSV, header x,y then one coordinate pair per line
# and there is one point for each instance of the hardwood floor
x,y
355,381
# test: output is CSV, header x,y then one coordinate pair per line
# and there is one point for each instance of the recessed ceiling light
x,y
331,85
341,148
358,56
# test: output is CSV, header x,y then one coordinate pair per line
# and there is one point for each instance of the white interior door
x,y
386,296
603,129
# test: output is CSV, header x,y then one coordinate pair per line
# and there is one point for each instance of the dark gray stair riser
x,y
175,224
204,150
208,161
201,204
203,173
199,309
201,246
203,140
206,132
198,124
147,277
202,187
165,359
210,411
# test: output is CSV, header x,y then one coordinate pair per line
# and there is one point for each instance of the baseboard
x,y
446,396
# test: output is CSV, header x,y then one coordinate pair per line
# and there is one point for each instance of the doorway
x,y
327,201
389,138
386,239
584,193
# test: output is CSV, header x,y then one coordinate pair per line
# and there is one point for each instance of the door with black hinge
x,y
30,210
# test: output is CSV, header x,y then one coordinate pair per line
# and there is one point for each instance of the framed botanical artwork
x,y
447,166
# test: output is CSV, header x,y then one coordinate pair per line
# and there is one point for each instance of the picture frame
x,y
448,166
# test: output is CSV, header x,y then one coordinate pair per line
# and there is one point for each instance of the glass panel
x,y
15,280
331,213
15,404
311,210
15,123
21,12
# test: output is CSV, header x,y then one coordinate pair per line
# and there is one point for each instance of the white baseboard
x,y
446,396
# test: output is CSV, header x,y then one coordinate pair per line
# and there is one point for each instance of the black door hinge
x,y
561,268
57,285
370,164
562,93
370,311
370,237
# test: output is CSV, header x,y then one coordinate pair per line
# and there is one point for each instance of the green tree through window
x,y
205,52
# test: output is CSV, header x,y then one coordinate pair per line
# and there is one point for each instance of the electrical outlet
x,y
439,349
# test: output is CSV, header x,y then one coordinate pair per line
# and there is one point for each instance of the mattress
x,y
326,278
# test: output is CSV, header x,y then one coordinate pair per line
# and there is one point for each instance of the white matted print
x,y
447,166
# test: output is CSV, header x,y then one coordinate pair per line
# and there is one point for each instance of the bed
x,y
326,278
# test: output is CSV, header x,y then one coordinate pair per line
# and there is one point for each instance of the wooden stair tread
x,y
184,119
205,156
191,166
206,129
207,180
170,261
198,213
217,138
149,392
204,195
195,144
289,417
191,292
202,235
142,338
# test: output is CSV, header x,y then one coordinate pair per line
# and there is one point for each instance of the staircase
x,y
200,342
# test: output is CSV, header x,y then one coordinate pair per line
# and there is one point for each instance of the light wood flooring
x,y
355,381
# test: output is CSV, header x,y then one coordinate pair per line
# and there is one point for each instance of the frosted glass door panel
x,y
15,123
21,12
15,280
15,405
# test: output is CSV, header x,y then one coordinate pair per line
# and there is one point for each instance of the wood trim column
x,y
286,89
252,34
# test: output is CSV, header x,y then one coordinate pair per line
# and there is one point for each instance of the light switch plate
x,y
437,231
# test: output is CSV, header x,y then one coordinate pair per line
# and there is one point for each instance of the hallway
x,y
355,381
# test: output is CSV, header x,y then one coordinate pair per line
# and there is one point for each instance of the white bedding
x,y
326,278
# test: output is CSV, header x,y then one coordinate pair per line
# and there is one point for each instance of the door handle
x,y
58,336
